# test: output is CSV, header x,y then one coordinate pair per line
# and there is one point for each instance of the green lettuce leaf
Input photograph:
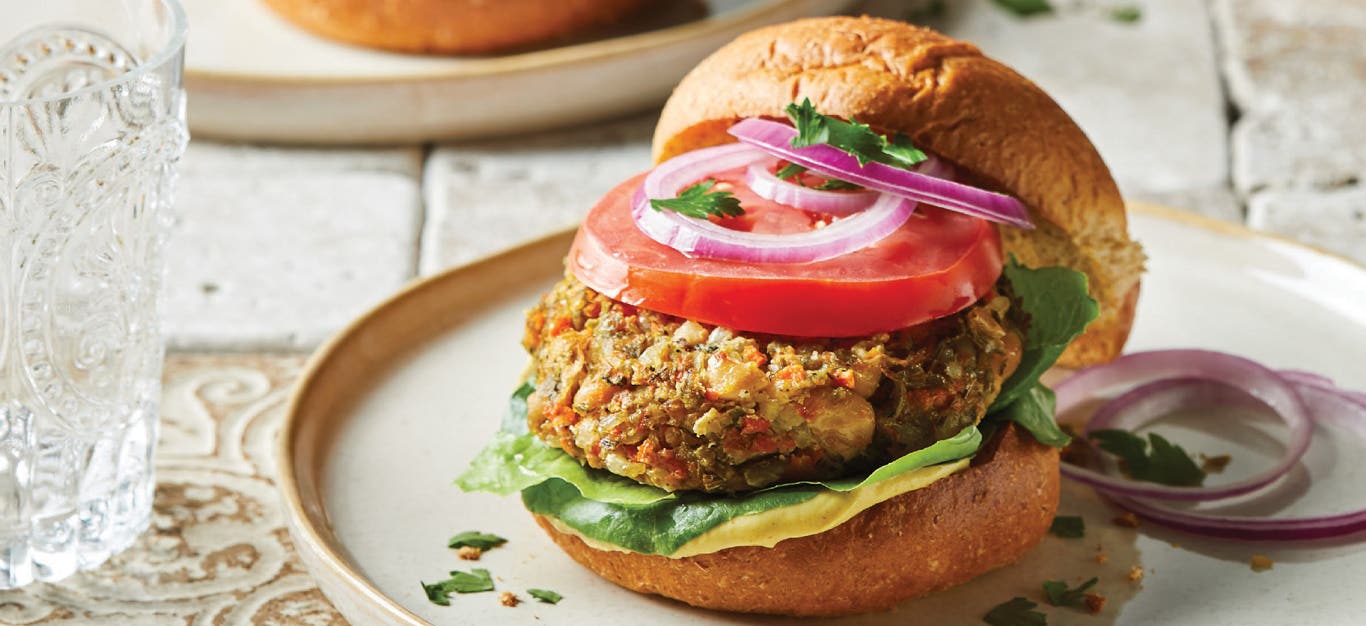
x,y
516,460
1059,308
1035,412
665,526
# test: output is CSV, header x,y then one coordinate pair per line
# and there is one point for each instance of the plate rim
x,y
522,62
308,532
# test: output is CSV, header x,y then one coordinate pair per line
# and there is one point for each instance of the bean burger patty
x,y
682,405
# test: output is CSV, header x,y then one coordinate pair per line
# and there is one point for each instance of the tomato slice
x,y
936,264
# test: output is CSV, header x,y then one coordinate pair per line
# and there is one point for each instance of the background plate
x,y
253,76
396,405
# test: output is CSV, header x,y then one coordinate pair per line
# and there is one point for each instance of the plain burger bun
x,y
943,535
996,125
450,26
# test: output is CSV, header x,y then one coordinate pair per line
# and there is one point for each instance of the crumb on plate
x,y
1214,464
1126,520
1095,603
1261,563
469,553
507,598
1135,573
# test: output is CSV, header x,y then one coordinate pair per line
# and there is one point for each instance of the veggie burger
x,y
794,368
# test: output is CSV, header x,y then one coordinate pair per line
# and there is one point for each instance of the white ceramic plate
x,y
394,408
253,76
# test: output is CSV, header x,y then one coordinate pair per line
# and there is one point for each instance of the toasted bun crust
x,y
1000,128
449,26
977,520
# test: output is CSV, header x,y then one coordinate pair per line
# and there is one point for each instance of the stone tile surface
x,y
485,197
1297,70
283,260
1333,220
205,157
1147,92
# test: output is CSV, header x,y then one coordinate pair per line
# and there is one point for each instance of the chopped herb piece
x,y
1069,526
1015,612
790,170
1126,14
902,151
473,581
837,185
437,593
545,595
1059,595
1026,8
852,137
475,539
701,202
1165,463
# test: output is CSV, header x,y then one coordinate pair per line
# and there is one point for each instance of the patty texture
x,y
686,406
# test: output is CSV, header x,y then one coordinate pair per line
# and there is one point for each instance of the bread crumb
x,y
1095,603
1135,573
469,553
1174,544
1260,563
1126,520
1102,558
1214,464
507,598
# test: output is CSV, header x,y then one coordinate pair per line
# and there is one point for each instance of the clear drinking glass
x,y
91,128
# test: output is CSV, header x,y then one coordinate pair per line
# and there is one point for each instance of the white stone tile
x,y
282,261
1333,220
1147,92
210,158
486,197
1278,52
1297,70
1319,143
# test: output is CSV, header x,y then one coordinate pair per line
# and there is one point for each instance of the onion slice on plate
x,y
776,138
770,187
1172,379
702,238
1143,405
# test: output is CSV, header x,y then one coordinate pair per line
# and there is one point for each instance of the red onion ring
x,y
1184,378
763,183
1328,405
1143,405
776,138
702,238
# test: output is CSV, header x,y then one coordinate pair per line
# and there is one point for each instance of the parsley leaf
x,y
474,581
1060,595
852,137
1068,526
476,539
834,184
545,595
790,170
1015,612
1156,460
901,150
1128,14
1025,8
700,202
